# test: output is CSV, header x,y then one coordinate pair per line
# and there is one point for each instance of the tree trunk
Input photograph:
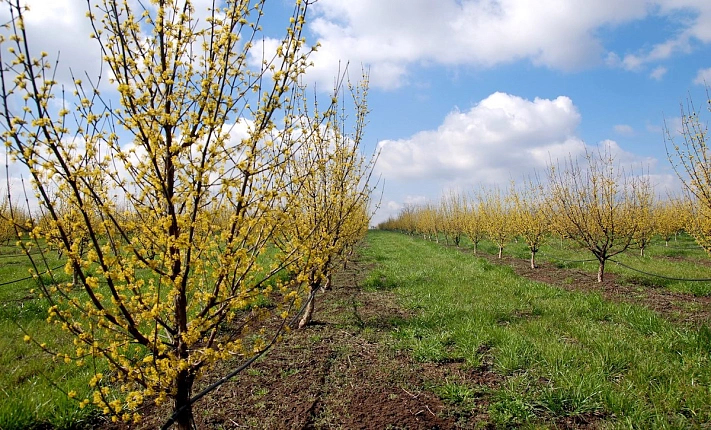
x,y
184,420
601,271
328,286
501,251
533,260
641,251
310,307
475,246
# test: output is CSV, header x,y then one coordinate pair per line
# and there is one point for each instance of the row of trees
x,y
182,199
592,201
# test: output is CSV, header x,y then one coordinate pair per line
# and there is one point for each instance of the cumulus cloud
x,y
60,28
501,135
392,36
502,138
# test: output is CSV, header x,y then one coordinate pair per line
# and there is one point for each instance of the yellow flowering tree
x,y
691,157
596,204
530,216
330,183
473,222
7,226
162,293
496,209
426,222
646,218
670,218
452,211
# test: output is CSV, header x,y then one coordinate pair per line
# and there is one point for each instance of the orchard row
x,y
590,201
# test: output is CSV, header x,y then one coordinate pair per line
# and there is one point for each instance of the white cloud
x,y
695,26
493,141
60,28
658,73
393,36
703,77
503,137
624,129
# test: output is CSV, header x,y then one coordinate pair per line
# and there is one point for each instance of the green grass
x,y
32,383
682,259
561,354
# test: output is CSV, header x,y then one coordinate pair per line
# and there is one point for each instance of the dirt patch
x,y
677,307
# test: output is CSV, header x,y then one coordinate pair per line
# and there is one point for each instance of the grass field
x,y
527,354
681,259
33,384
561,354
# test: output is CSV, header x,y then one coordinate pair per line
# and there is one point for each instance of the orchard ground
x,y
422,335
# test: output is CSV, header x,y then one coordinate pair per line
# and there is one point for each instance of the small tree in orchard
x,y
10,221
405,220
530,216
646,218
670,218
473,222
162,293
330,180
496,206
452,210
597,204
690,155
426,222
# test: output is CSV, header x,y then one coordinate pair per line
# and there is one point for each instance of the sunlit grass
x,y
561,353
33,385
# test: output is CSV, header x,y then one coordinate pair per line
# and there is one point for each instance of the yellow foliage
x,y
530,217
596,204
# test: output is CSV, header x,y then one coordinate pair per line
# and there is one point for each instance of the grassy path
x,y
564,358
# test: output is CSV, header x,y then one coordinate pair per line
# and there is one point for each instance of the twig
x,y
411,395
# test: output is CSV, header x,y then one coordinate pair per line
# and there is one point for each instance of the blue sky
x,y
469,92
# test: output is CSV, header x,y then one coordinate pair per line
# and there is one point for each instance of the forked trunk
x,y
327,286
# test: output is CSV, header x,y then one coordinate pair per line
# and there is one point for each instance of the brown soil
x,y
677,307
